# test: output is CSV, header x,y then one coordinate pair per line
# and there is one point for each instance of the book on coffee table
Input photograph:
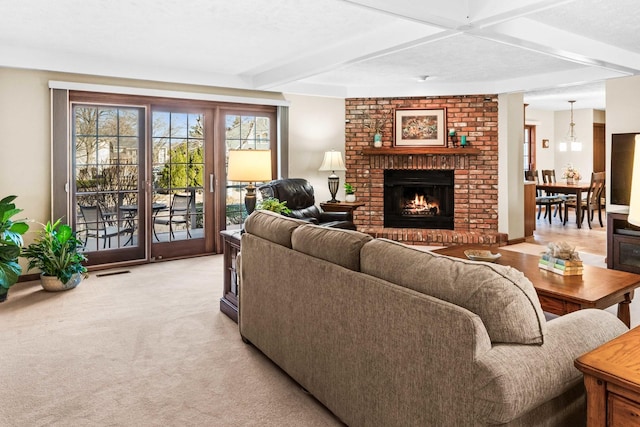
x,y
575,268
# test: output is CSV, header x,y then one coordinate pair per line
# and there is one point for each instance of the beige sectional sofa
x,y
384,334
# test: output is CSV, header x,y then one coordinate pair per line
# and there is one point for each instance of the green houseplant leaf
x,y
11,242
274,205
348,188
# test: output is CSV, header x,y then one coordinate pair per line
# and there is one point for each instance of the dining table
x,y
568,188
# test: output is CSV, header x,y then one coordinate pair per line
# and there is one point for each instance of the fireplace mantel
x,y
400,151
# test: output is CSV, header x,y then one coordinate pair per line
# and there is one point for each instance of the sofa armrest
x,y
514,379
333,216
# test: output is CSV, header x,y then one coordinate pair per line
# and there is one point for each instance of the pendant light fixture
x,y
571,140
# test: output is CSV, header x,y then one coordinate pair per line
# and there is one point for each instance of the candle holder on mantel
x,y
463,141
452,137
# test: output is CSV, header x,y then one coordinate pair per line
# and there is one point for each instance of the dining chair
x,y
545,199
100,226
178,214
592,202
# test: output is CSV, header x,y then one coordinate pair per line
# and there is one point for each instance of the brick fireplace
x,y
474,168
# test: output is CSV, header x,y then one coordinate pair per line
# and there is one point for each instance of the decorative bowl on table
x,y
481,255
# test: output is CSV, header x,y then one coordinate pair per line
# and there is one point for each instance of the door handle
x,y
211,186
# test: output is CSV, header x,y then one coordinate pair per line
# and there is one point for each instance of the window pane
x,y
128,122
178,125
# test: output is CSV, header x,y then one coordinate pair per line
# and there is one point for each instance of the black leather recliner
x,y
298,194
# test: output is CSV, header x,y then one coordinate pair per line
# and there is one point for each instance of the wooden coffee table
x,y
595,288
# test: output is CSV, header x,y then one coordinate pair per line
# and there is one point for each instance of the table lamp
x,y
634,202
333,162
249,166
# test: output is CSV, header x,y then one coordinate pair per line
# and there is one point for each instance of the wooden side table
x,y
348,207
231,247
612,379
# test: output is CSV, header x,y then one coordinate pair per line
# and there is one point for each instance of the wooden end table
x,y
347,207
612,379
231,247
595,288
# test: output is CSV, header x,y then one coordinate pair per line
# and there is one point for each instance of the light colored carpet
x,y
147,348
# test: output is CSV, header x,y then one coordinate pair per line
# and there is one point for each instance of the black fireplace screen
x,y
418,199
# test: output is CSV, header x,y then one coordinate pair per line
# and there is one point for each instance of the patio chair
x,y
178,214
100,226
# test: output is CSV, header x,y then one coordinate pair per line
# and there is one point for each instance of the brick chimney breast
x,y
475,175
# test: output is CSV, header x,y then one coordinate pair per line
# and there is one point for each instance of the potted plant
x,y
350,192
274,205
55,253
11,232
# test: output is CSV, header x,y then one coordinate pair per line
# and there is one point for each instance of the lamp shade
x,y
634,203
249,165
332,162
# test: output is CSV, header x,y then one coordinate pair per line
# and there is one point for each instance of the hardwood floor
x,y
593,241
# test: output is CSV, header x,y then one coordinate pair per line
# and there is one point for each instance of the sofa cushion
x,y
335,245
272,226
501,296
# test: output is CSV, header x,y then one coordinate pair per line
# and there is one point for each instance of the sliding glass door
x,y
144,178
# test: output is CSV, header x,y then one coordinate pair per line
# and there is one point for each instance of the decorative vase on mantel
x,y
377,140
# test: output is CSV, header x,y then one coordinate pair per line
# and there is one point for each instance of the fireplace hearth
x,y
419,199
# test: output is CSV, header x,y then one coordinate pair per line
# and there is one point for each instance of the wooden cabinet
x,y
623,243
231,247
612,379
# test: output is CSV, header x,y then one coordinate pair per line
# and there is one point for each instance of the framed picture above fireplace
x,y
420,128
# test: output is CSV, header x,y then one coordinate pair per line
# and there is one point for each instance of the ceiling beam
x,y
380,41
541,38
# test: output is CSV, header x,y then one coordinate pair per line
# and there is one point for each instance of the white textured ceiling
x,y
552,50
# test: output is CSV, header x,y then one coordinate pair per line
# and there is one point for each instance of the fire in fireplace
x,y
421,204
418,199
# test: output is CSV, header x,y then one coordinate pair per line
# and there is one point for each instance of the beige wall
x,y
316,125
510,160
544,123
25,141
